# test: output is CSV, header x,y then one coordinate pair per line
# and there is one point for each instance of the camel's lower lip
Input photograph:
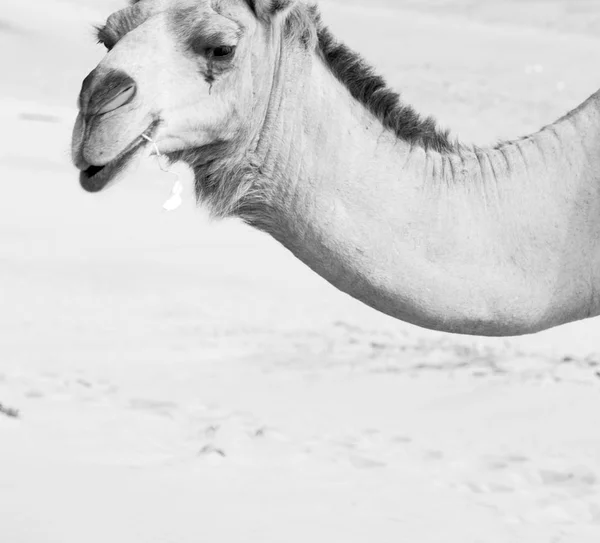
x,y
95,178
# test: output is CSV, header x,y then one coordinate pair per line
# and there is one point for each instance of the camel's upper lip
x,y
95,178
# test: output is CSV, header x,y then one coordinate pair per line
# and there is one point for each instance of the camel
x,y
289,130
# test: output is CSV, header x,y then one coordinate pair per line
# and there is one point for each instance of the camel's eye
x,y
223,52
212,45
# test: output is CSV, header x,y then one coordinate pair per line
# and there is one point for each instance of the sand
x,y
178,380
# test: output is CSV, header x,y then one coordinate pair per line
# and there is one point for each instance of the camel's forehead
x,y
146,8
140,11
180,15
172,4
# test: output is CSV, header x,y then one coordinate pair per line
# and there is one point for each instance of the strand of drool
x,y
175,200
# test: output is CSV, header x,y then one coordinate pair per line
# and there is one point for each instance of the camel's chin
x,y
96,178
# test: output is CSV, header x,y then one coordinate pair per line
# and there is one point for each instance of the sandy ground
x,y
181,381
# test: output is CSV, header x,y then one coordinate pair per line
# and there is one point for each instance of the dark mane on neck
x,y
371,90
230,185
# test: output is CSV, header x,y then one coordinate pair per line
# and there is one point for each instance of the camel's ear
x,y
268,9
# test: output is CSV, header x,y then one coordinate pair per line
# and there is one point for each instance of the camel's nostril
x,y
93,170
104,93
120,99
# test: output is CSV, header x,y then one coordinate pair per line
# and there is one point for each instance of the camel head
x,y
191,75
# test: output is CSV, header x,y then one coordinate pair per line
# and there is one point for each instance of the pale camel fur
x,y
290,131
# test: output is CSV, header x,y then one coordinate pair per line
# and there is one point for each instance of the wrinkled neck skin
x,y
495,242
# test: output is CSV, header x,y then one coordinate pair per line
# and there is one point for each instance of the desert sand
x,y
179,380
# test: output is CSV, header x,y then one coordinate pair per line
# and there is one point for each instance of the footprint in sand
x,y
578,479
59,387
34,394
369,449
155,407
401,440
433,456
555,493
509,463
572,512
241,439
363,462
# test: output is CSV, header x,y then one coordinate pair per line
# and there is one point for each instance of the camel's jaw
x,y
94,178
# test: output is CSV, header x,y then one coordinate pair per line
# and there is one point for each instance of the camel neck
x,y
488,242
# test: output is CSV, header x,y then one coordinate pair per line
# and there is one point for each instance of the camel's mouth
x,y
95,178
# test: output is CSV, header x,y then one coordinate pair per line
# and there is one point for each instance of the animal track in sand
x,y
578,478
401,440
9,412
34,394
543,491
156,407
362,462
365,449
240,438
433,456
57,387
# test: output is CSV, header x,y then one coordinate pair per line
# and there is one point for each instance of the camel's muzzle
x,y
95,178
105,138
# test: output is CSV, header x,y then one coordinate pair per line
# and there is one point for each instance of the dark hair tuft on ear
x,y
278,5
268,8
